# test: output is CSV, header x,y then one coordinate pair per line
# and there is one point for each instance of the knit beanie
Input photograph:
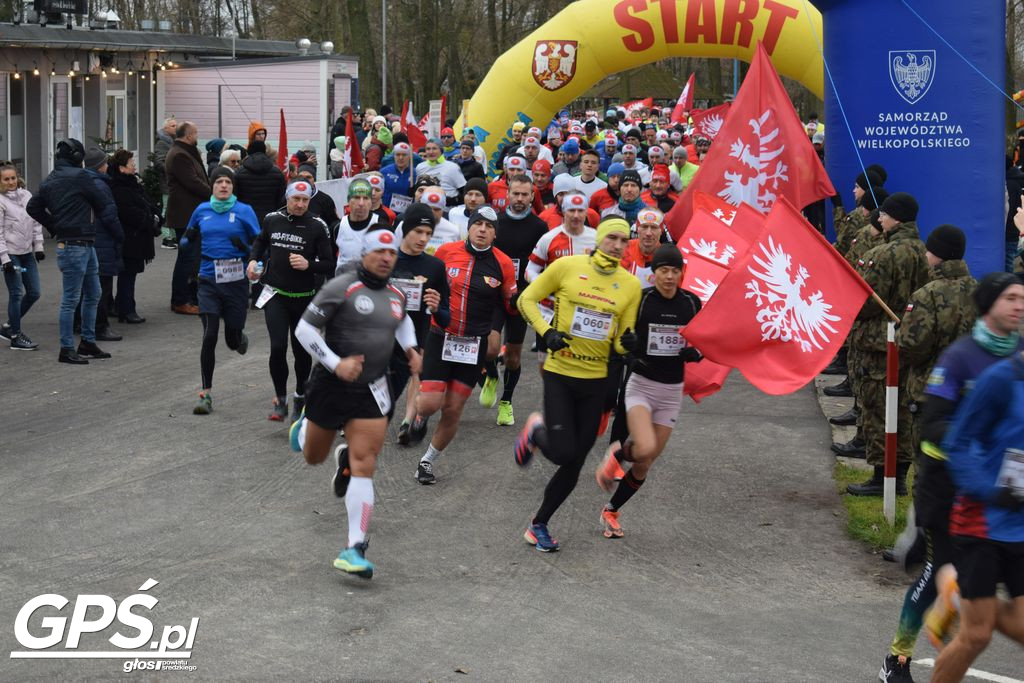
x,y
631,176
222,172
947,242
416,215
667,255
901,206
991,287
478,184
879,171
865,180
610,225
873,199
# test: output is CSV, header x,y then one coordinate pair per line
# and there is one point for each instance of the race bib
x,y
664,340
400,202
591,324
433,243
413,292
645,276
1011,475
381,394
460,349
228,270
266,295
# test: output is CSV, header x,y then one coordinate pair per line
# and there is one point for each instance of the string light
x,y
104,73
35,71
17,76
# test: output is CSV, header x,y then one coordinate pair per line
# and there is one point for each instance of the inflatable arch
x,y
591,39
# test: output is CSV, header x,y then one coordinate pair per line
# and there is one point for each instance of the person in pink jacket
x,y
21,245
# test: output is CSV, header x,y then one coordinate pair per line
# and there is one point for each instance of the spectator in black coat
x,y
259,183
109,243
141,222
467,163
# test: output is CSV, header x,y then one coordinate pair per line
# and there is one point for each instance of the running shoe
x,y
243,344
425,473
489,394
610,471
505,416
279,411
941,618
524,444
204,406
610,519
418,430
353,561
293,431
602,426
895,669
5,332
403,433
22,343
537,535
342,473
298,403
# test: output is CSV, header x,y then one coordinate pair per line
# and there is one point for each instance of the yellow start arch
x,y
591,39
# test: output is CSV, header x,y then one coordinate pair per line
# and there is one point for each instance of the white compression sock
x,y
302,435
359,504
431,455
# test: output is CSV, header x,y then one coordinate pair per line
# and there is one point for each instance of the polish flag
x,y
282,145
412,130
353,157
702,276
685,102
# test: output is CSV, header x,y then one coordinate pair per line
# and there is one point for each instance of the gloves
x,y
690,354
40,255
630,341
1008,498
8,267
555,340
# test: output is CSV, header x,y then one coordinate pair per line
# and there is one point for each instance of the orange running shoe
x,y
939,621
610,471
610,519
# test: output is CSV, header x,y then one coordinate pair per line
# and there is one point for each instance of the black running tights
x,y
207,357
572,413
282,314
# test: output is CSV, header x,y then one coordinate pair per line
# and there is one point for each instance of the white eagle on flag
x,y
756,184
704,289
785,315
710,125
711,251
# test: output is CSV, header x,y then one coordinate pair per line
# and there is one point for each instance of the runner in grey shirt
x,y
360,315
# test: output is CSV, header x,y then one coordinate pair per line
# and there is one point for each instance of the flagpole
x,y
888,311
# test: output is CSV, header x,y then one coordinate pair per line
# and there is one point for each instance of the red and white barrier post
x,y
892,395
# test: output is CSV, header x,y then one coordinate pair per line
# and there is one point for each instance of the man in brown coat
x,y
188,187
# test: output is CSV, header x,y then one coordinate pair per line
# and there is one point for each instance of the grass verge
x,y
864,519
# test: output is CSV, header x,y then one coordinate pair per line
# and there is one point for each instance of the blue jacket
x,y
988,423
67,201
395,182
215,231
109,233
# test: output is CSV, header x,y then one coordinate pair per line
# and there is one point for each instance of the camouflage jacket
x,y
847,228
865,239
895,269
936,316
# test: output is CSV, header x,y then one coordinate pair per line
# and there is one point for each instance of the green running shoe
x,y
489,393
505,416
353,561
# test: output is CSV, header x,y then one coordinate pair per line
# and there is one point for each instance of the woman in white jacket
x,y
21,245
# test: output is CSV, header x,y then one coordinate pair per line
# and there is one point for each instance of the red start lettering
x,y
702,24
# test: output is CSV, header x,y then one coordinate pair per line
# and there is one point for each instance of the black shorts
x,y
331,402
227,300
441,375
981,563
514,325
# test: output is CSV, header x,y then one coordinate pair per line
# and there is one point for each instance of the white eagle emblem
x,y
704,289
913,78
554,63
720,215
757,183
710,125
785,315
711,251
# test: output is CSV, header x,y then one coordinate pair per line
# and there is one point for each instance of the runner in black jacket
x,y
654,389
294,246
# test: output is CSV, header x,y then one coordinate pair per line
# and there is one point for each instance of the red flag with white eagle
x,y
743,220
714,240
761,153
411,129
685,102
702,277
784,309
353,156
282,145
708,122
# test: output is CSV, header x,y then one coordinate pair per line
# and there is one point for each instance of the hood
x,y
253,127
257,163
165,136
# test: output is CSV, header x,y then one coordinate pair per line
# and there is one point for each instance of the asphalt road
x,y
735,565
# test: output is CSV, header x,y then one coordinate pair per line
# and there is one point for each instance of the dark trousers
x,y
183,279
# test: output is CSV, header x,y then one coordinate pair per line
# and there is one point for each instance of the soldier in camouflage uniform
x,y
937,314
894,270
848,225
867,238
